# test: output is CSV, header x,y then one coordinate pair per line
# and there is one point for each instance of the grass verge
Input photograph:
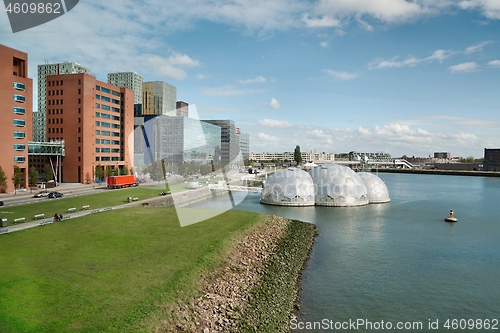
x,y
108,272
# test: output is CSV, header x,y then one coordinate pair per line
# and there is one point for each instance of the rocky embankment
x,y
256,288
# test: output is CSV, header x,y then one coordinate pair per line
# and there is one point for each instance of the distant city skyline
x,y
395,76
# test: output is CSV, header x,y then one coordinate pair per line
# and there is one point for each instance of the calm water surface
x,y
400,261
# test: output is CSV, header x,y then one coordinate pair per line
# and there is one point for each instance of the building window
x,y
116,126
19,135
19,86
19,110
79,139
97,132
105,90
19,147
105,107
98,123
79,120
115,93
97,141
97,150
20,159
115,150
116,118
105,150
98,114
79,129
105,159
79,159
97,105
105,133
116,142
79,101
19,122
116,101
115,109
97,88
104,124
115,159
79,81
106,116
115,134
79,149
97,96
97,159
105,142
19,98
79,90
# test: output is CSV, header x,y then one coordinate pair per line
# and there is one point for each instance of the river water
x,y
401,262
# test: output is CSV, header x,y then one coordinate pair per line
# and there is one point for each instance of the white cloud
x,y
229,90
340,75
323,22
201,76
494,63
411,61
274,123
275,104
464,67
267,138
258,79
478,47
323,44
489,8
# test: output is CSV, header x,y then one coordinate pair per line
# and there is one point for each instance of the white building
x,y
313,156
130,80
40,117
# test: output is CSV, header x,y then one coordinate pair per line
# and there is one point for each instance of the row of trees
x,y
108,171
33,176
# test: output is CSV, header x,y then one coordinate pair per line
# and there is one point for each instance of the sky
x,y
403,77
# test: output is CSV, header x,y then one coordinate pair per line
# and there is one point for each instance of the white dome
x,y
377,190
289,187
338,185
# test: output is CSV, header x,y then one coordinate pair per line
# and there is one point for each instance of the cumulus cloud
x,y
340,75
275,104
267,138
323,44
464,67
489,8
274,123
323,22
494,63
257,79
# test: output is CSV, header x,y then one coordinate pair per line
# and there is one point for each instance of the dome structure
x,y
288,187
338,185
377,190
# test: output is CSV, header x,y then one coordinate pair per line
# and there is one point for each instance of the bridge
x,y
51,148
234,188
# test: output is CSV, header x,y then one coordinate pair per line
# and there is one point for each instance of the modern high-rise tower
x,y
158,98
40,117
130,80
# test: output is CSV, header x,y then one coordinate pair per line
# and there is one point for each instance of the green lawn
x,y
99,200
108,272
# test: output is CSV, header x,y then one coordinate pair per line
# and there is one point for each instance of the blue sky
x,y
404,77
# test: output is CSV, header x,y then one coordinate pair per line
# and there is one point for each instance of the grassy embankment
x,y
61,205
108,272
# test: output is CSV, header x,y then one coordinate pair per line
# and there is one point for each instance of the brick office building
x,y
491,159
16,114
96,121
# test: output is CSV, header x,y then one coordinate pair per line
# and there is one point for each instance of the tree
x,y
99,172
3,178
297,156
32,177
17,179
116,171
125,170
109,171
47,173
156,171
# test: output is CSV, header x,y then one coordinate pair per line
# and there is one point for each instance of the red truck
x,y
122,181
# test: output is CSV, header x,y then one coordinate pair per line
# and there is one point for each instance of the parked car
x,y
1,203
53,195
41,194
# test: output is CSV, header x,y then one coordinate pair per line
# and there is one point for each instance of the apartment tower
x,y
130,80
16,103
96,121
40,117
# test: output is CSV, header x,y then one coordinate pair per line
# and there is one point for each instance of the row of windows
x,y
19,122
54,92
19,86
18,110
19,159
105,124
55,83
106,133
55,111
19,135
56,101
55,120
55,130
106,159
107,142
106,116
19,98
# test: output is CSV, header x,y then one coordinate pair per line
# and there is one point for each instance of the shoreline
x,y
257,287
441,172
